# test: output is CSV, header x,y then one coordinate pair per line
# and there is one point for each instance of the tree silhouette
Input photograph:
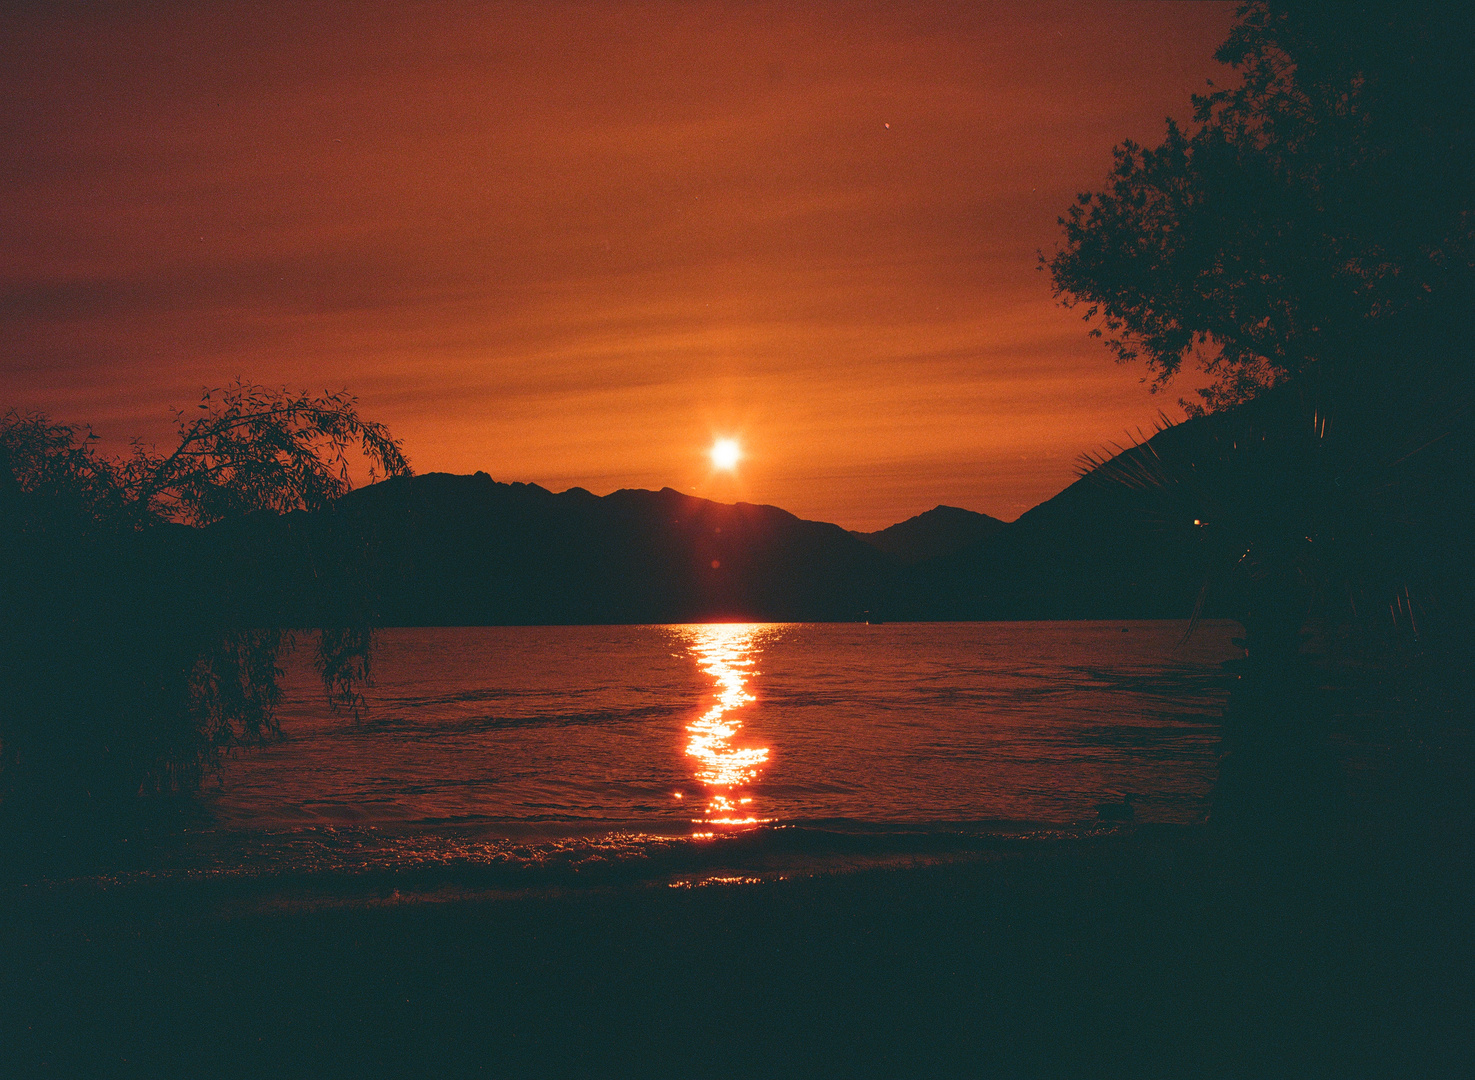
x,y
1313,233
128,661
1309,242
1316,217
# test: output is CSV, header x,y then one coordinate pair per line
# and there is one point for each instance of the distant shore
x,y
1142,952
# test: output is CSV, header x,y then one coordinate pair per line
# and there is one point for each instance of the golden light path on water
x,y
725,651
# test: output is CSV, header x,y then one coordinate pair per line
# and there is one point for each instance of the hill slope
x,y
1094,551
940,531
466,549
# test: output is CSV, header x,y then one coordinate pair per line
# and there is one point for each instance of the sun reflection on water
x,y
726,652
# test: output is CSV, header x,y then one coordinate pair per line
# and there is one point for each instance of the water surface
x,y
529,757
673,725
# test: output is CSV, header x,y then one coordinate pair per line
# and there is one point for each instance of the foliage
x,y
1318,215
1309,240
129,661
1315,506
254,450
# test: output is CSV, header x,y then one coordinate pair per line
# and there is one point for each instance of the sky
x,y
576,243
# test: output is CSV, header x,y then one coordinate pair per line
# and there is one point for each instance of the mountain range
x,y
1376,513
442,549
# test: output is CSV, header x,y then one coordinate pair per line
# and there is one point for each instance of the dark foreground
x,y
1150,953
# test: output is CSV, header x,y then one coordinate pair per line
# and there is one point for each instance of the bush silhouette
x,y
130,661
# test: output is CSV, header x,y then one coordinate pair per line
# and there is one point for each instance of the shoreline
x,y
1141,952
422,863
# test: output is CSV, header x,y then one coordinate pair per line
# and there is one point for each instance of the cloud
x,y
554,240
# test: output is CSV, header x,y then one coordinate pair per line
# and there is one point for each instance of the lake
x,y
531,745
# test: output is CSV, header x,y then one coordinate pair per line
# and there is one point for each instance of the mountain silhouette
x,y
1122,542
1087,553
452,550
442,549
941,531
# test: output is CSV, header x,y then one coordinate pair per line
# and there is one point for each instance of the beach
x,y
1146,951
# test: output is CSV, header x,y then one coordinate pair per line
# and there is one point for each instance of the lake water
x,y
568,746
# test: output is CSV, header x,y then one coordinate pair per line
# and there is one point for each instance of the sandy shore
x,y
1151,953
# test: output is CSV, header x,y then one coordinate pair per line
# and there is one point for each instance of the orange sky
x,y
570,243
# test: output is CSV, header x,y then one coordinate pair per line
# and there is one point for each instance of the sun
x,y
725,453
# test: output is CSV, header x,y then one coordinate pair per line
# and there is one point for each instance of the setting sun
x,y
725,453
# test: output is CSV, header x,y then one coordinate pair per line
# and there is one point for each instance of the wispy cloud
x,y
563,242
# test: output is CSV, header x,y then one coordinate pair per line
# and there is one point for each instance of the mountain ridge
x,y
447,549
942,530
466,549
